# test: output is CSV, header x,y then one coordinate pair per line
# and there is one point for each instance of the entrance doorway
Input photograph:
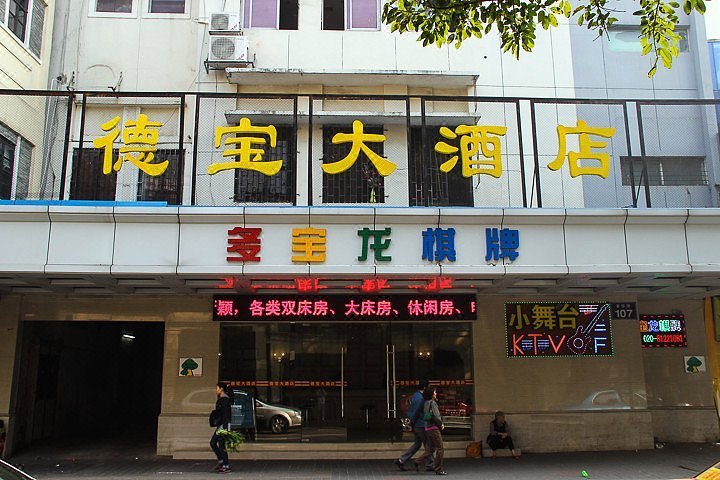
x,y
85,386
348,382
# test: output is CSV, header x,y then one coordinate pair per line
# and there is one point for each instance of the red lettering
x,y
535,337
556,348
516,347
247,247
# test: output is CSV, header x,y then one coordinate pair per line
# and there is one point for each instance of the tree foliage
x,y
442,22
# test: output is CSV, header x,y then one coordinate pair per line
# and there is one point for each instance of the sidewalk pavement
x,y
681,461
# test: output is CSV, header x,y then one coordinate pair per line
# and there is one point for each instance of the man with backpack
x,y
415,414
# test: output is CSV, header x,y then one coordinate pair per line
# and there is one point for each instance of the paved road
x,y
670,463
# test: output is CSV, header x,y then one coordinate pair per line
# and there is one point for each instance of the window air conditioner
x,y
228,48
224,22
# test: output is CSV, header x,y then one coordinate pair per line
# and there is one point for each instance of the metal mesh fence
x,y
359,151
579,148
127,148
246,149
474,152
32,138
680,153
287,149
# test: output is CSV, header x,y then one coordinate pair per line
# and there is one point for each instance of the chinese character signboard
x,y
663,331
333,308
557,329
477,148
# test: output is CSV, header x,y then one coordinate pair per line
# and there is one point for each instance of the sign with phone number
x,y
663,331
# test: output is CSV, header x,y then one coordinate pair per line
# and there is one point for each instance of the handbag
x,y
428,416
473,450
215,419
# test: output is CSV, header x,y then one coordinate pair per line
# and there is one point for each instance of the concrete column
x,y
187,401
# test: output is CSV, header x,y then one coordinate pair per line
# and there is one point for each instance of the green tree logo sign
x,y
188,366
692,364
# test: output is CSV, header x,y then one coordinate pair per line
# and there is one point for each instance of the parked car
x,y
276,418
8,472
268,416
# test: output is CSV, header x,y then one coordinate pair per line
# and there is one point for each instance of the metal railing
x,y
225,149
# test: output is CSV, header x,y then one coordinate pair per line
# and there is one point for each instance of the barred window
x,y
664,171
7,160
88,181
361,183
165,187
255,187
428,185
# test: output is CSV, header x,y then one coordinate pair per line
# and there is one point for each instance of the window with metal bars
x,y
7,160
255,187
361,183
88,181
428,185
165,187
664,171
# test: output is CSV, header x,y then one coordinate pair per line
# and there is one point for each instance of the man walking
x,y
415,414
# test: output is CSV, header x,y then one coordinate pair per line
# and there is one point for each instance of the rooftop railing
x,y
221,149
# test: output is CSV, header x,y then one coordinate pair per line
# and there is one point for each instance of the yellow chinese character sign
x,y
585,150
309,243
242,143
474,140
140,139
359,140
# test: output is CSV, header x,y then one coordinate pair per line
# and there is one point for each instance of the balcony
x,y
416,151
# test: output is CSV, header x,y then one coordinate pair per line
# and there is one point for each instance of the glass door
x,y
337,382
442,354
295,373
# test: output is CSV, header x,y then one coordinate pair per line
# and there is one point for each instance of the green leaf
x,y
567,8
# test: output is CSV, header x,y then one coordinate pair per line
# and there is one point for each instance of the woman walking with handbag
x,y
433,427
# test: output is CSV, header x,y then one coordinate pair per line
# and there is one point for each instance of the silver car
x,y
276,418
267,416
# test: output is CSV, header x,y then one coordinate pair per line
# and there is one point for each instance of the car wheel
x,y
279,424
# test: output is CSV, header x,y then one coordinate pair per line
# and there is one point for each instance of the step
x,y
505,452
318,451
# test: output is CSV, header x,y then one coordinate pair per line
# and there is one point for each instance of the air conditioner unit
x,y
228,48
224,22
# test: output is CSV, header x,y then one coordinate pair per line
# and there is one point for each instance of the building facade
x,y
289,197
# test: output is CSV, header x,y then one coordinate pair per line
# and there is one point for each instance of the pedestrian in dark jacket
x,y
220,418
415,414
433,426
